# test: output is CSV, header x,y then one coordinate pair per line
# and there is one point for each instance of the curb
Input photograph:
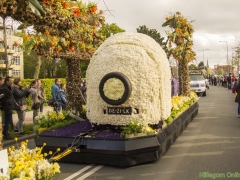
x,y
12,142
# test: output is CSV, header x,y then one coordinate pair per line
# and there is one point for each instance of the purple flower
x,y
70,130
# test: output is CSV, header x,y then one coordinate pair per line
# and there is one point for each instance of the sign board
x,y
4,162
119,110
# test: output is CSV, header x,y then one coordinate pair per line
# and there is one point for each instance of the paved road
x,y
209,146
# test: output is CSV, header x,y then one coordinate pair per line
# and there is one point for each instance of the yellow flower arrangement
x,y
135,127
179,101
52,120
193,96
4,177
30,164
179,104
114,89
146,129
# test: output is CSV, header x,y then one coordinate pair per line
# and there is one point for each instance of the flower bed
x,y
30,164
70,130
53,120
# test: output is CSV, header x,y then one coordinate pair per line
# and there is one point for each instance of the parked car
x,y
198,84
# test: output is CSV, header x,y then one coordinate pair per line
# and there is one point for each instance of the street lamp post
x,y
227,54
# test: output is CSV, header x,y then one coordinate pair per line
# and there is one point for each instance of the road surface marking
x,y
78,173
195,154
89,173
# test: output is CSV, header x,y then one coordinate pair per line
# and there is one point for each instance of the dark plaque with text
x,y
119,110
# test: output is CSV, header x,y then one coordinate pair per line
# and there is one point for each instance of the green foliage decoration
x,y
132,128
153,33
52,120
108,29
201,65
193,66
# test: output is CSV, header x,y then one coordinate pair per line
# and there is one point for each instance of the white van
x,y
198,84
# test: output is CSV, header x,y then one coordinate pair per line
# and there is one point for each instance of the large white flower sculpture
x,y
128,79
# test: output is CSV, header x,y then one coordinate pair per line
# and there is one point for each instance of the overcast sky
x,y
215,20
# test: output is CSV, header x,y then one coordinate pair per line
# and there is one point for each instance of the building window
x,y
16,73
17,48
16,60
3,73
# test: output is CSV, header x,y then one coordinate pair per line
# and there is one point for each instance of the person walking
x,y
55,93
20,96
62,95
234,86
84,91
41,87
237,99
229,81
8,106
36,98
232,81
215,81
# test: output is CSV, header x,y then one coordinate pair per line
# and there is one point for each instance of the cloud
x,y
214,21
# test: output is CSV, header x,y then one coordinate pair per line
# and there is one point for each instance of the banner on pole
x,y
4,162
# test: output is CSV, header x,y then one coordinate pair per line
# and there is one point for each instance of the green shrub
x,y
47,83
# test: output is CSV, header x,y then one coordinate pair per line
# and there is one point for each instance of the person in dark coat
x,y
20,96
62,95
237,100
8,106
55,93
215,81
229,81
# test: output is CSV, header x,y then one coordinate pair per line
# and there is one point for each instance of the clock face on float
x,y
115,88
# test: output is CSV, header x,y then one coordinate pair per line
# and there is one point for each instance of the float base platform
x,y
120,152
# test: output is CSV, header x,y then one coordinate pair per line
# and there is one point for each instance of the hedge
x,y
47,84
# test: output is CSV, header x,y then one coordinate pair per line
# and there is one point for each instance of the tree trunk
x,y
184,80
74,100
5,47
37,67
44,70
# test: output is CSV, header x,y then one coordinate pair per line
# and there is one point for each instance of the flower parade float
x,y
131,116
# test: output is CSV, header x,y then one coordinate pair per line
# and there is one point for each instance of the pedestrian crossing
x,y
84,172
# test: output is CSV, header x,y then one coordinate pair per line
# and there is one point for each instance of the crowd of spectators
x,y
13,97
